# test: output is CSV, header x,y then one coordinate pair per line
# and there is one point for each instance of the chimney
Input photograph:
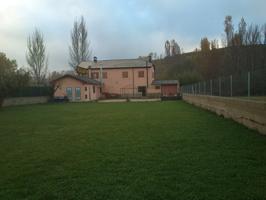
x,y
95,59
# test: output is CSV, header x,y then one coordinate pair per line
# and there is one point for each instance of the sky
x,y
118,29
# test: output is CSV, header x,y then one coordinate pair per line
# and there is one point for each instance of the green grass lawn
x,y
159,150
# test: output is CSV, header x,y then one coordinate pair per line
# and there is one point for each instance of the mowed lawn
x,y
159,150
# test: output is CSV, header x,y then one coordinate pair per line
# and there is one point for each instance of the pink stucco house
x,y
123,77
113,78
76,88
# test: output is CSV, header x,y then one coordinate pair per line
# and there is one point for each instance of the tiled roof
x,y
83,79
165,82
120,63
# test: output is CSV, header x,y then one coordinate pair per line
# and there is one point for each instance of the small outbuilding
x,y
76,88
170,89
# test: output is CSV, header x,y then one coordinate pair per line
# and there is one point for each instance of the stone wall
x,y
24,101
247,112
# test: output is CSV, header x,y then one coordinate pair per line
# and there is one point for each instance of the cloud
x,y
118,29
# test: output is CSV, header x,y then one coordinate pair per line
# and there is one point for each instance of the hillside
x,y
195,66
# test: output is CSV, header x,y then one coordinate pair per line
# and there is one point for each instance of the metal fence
x,y
242,84
130,92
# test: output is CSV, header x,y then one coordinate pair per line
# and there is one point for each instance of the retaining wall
x,y
247,112
24,101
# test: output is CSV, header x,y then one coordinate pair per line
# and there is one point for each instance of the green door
x,y
77,94
69,93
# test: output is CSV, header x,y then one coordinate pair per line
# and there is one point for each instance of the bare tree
x,y
253,35
155,57
229,30
214,44
36,56
242,30
223,41
264,33
167,48
80,46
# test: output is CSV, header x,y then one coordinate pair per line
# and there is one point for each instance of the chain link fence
x,y
252,83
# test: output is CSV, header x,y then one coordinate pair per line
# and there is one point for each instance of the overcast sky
x,y
118,28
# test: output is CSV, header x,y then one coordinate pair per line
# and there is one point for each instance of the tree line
x,y
240,50
244,35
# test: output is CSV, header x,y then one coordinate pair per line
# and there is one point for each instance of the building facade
x,y
76,88
124,77
113,78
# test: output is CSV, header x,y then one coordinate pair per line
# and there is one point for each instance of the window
x,y
69,93
93,89
77,93
86,88
95,75
157,87
141,74
86,96
104,75
124,74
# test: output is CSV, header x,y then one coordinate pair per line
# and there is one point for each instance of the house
x,y
114,78
123,77
76,88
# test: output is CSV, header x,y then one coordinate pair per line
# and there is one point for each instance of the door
x,y
142,90
69,93
169,90
77,93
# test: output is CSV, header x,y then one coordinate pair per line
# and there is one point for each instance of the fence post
x,y
199,88
231,85
248,84
220,87
204,87
211,86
